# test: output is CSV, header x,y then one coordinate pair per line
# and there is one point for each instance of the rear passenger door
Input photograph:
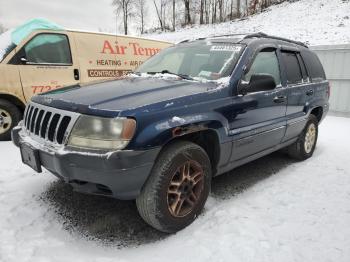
x,y
299,92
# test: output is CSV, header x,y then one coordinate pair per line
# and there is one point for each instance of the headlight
x,y
102,133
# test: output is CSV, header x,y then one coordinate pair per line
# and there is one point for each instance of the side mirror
x,y
258,82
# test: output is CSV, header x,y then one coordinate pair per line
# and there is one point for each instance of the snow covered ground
x,y
274,209
315,22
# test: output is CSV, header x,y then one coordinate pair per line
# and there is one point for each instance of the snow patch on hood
x,y
221,82
157,75
178,119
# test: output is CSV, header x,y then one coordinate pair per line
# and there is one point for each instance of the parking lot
x,y
273,209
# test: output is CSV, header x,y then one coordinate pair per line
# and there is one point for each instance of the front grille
x,y
48,123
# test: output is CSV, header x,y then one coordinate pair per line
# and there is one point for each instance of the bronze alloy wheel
x,y
177,188
185,188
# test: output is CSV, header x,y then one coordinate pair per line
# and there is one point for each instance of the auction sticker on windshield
x,y
228,48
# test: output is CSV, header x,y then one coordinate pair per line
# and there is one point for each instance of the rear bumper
x,y
119,174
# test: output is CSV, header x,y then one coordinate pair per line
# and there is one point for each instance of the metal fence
x,y
336,62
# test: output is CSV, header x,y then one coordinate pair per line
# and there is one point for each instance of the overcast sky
x,y
75,14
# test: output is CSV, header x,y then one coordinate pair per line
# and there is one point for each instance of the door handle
x,y
310,92
279,99
76,74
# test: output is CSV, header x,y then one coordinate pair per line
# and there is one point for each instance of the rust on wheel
x,y
185,188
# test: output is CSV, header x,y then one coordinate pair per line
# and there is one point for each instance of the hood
x,y
119,95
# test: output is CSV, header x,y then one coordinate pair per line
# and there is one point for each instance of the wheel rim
x,y
5,121
185,188
310,138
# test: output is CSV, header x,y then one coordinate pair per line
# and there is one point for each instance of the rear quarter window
x,y
314,66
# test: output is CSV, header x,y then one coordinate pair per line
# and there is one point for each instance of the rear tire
x,y
10,115
177,189
305,146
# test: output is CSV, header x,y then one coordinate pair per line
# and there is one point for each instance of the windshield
x,y
198,60
6,45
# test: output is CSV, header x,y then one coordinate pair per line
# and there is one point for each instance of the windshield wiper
x,y
183,76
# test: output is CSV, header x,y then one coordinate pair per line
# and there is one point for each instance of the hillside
x,y
315,22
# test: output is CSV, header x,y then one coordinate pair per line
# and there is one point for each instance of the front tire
x,y
177,189
305,146
10,115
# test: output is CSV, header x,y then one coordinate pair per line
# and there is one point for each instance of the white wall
x,y
336,62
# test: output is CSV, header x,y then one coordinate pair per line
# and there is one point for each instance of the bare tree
x,y
174,16
221,6
126,8
256,6
213,11
231,10
207,11
238,7
187,12
160,9
141,7
201,11
158,15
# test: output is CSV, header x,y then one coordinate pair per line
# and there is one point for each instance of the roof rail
x,y
211,36
225,35
263,35
249,35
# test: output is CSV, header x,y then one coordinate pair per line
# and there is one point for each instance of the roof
x,y
238,38
22,31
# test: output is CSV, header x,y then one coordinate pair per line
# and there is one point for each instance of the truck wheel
x,y
10,115
305,146
177,189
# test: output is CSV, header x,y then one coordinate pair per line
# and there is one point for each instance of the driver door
x,y
45,63
261,122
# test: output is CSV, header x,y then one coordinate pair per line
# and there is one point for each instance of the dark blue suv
x,y
192,112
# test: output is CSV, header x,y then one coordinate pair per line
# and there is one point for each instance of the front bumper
x,y
118,174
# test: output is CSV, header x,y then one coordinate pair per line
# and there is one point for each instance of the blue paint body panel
x,y
246,126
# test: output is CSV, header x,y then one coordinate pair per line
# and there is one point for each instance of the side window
x,y
293,70
265,62
48,49
314,66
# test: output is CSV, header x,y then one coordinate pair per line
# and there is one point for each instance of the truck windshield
x,y
196,60
6,45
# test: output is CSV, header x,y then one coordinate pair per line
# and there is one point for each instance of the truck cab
x,y
40,56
